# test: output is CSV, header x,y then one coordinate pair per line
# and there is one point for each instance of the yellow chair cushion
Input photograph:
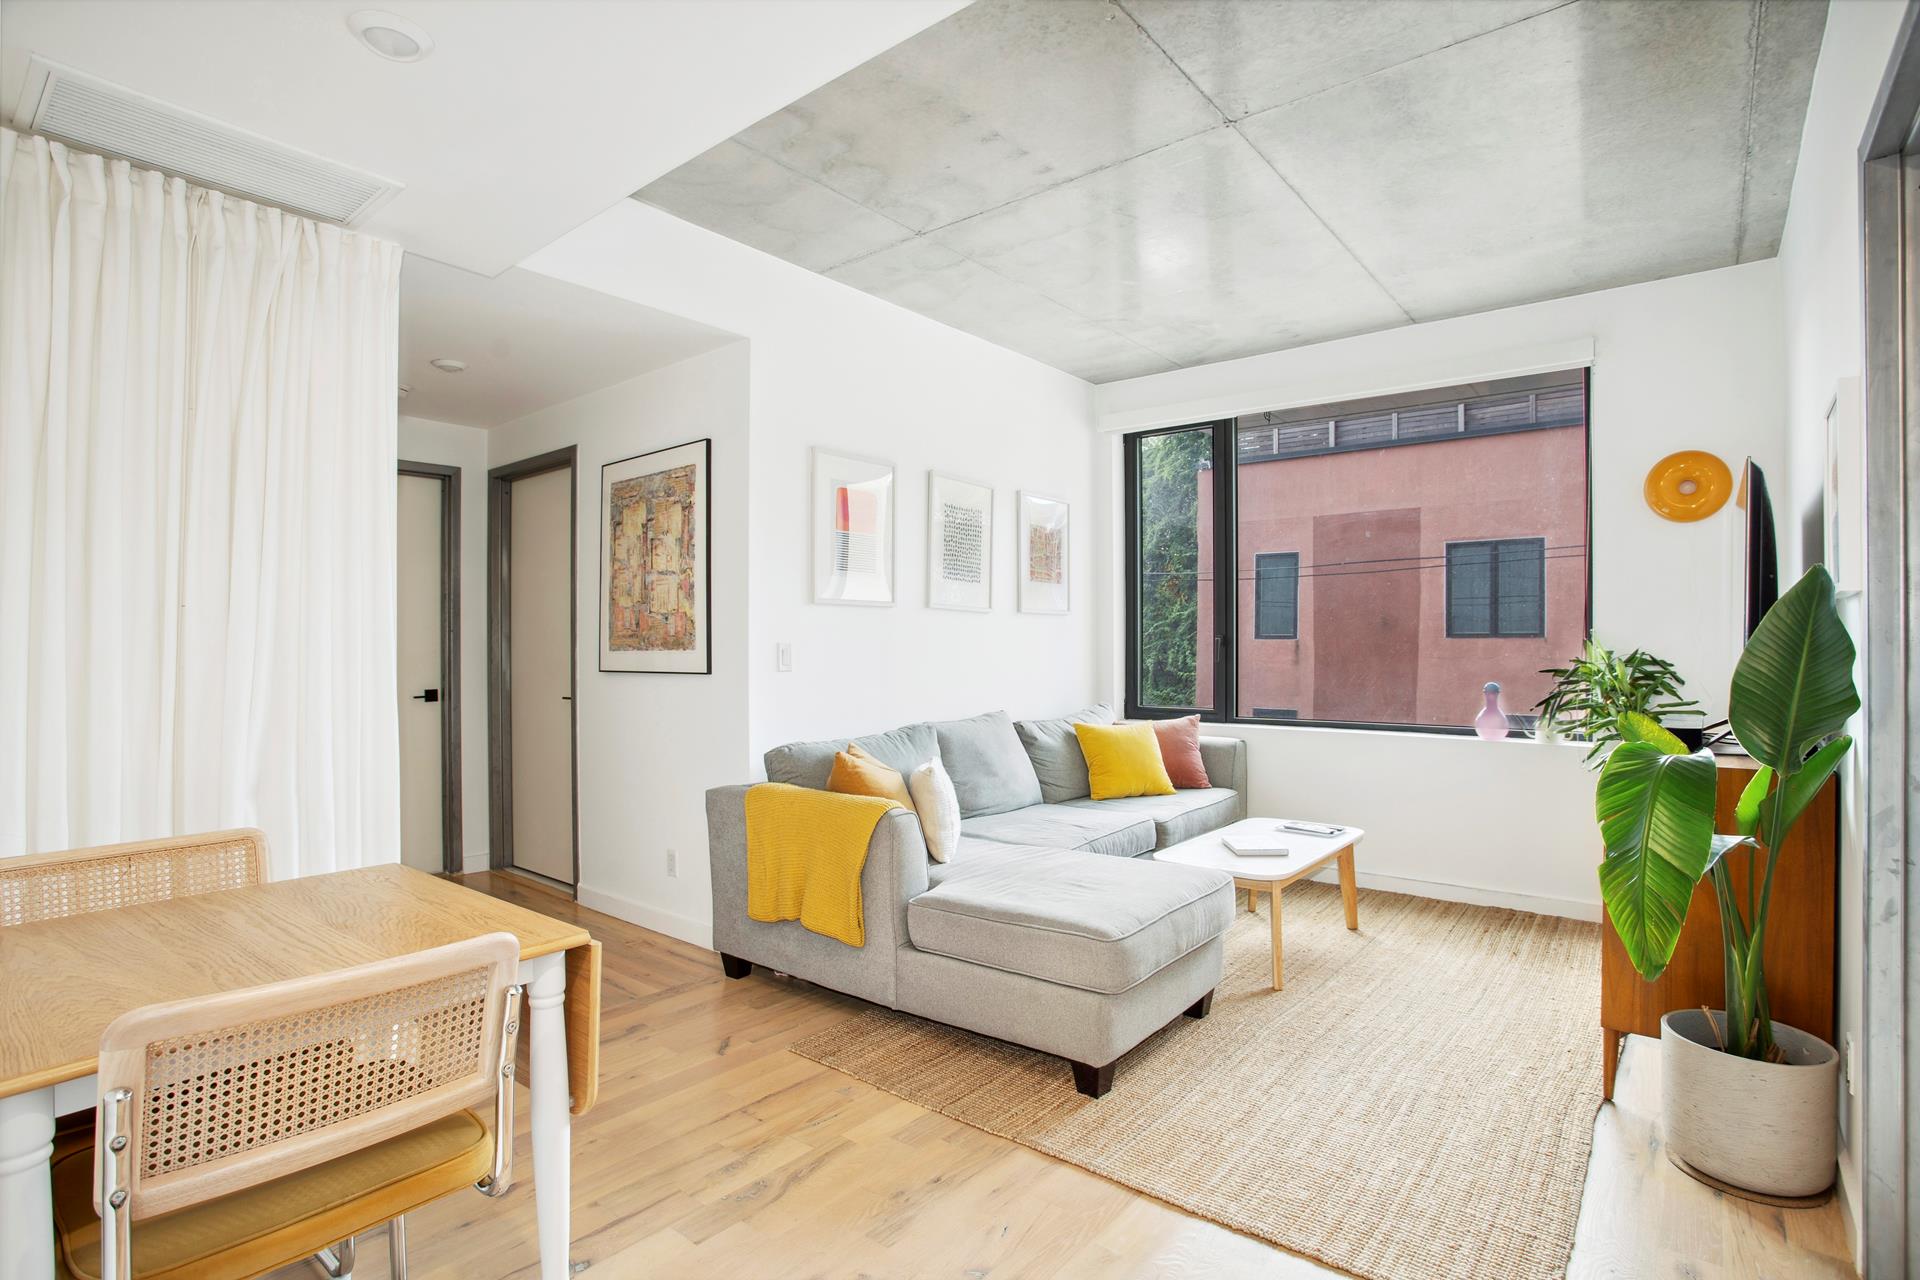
x,y
274,1223
855,773
1123,760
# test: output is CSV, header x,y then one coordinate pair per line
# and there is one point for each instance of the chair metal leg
x,y
397,1247
338,1261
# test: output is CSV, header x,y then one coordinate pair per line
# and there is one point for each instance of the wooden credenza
x,y
1801,927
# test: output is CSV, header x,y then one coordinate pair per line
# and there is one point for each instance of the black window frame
x,y
1226,523
1294,605
1493,631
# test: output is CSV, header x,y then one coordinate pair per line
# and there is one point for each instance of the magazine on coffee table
x,y
1277,841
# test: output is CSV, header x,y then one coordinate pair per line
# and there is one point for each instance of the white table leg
x,y
546,979
26,1186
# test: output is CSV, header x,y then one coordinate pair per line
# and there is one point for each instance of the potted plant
x,y
1748,1101
1593,693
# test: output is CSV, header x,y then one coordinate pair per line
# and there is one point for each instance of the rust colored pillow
x,y
1180,752
857,773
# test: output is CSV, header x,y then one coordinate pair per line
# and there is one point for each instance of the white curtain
x,y
197,417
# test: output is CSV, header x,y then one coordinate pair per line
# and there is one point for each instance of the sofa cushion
x,y
989,767
1099,924
808,764
1055,752
1180,816
971,854
1080,826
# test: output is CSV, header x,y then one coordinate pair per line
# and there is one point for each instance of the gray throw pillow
x,y
989,767
1054,749
808,764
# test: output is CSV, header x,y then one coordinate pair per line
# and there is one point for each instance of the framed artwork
x,y
1845,492
654,613
1044,553
852,529
959,543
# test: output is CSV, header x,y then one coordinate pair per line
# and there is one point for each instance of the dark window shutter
x,y
1470,589
1276,595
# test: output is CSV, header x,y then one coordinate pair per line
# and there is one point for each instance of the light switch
x,y
783,656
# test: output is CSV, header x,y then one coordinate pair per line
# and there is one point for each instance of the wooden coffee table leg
x,y
1349,890
1273,905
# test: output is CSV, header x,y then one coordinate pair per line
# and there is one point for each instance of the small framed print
x,y
853,518
1045,553
654,614
959,543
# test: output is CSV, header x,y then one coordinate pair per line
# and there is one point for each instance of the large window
x,y
1391,556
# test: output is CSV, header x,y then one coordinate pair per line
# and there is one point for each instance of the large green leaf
x,y
1656,819
1793,684
1638,726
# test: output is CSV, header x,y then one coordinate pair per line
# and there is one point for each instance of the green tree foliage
x,y
1170,566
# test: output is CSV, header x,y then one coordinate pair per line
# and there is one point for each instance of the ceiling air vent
x,y
95,115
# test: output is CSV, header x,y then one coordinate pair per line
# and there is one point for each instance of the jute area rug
x,y
1417,1104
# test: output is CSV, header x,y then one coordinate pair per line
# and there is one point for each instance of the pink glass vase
x,y
1491,723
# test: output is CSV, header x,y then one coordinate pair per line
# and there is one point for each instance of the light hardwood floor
x,y
713,1152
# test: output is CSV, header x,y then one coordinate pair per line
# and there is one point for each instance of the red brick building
x,y
1387,584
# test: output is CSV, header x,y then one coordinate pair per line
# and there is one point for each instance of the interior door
x,y
540,662
419,604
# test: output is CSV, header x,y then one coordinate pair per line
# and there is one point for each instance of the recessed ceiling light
x,y
446,364
390,35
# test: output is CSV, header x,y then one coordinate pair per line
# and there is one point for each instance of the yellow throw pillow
x,y
1123,760
856,773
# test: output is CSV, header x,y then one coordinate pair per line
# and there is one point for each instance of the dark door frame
x,y
452,837
1890,1009
500,481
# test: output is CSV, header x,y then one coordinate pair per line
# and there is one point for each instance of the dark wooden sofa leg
x,y
1090,1080
1201,1007
735,966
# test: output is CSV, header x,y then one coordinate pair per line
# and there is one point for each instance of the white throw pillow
x,y
938,807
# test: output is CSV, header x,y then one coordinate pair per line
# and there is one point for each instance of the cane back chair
x,y
47,886
242,1131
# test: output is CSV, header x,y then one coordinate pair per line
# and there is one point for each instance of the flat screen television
x,y
1762,552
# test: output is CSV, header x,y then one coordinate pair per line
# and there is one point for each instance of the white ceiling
x,y
1121,187
529,117
529,341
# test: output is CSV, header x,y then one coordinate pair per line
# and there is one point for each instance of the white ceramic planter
x,y
1770,1127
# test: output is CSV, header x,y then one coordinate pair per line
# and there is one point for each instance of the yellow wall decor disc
x,y
1689,485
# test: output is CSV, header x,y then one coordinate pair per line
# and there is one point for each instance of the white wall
x,y
452,445
1821,274
1692,362
649,745
832,366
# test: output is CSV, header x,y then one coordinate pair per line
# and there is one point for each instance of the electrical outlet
x,y
673,865
783,656
1847,1071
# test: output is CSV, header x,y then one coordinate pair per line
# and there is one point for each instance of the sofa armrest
x,y
895,873
1226,763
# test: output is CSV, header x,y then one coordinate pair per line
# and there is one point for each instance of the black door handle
x,y
429,695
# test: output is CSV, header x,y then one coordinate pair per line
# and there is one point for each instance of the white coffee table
x,y
1305,855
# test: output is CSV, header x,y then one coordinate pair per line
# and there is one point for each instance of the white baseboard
x,y
1446,891
473,861
674,925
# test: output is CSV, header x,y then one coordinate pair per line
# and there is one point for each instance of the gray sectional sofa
x,y
1050,926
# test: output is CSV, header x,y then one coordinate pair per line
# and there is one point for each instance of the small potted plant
x,y
1748,1101
1592,695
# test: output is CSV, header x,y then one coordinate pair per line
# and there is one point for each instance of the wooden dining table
x,y
62,981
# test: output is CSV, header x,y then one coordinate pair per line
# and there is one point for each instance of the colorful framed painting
x,y
654,562
853,518
959,543
1045,553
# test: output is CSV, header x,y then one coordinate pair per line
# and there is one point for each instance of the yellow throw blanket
x,y
805,852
